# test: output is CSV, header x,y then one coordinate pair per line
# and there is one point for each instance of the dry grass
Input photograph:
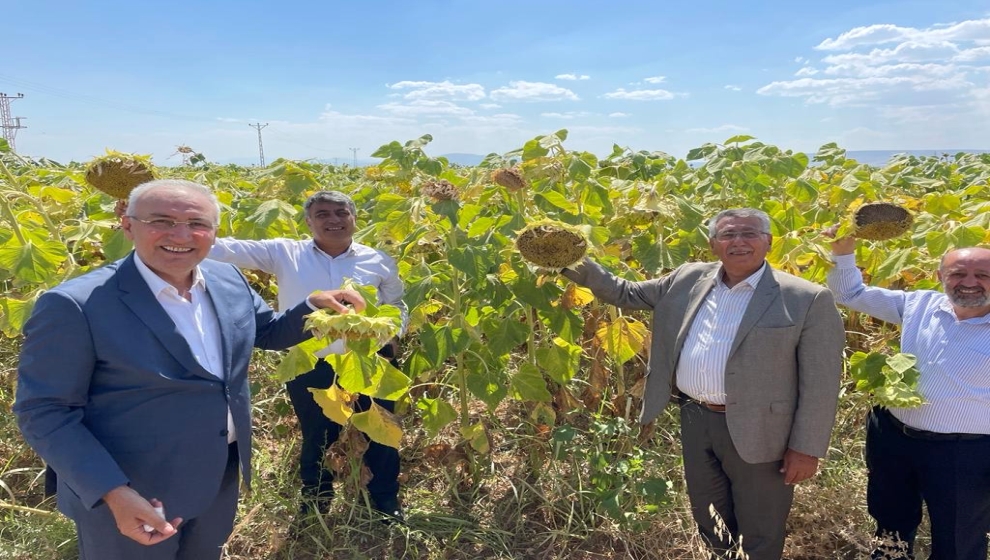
x,y
519,502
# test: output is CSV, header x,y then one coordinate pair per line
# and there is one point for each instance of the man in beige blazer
x,y
754,357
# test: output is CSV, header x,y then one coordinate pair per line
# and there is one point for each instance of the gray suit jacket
x,y
109,392
782,375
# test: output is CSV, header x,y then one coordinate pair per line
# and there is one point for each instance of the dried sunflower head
x,y
329,325
878,221
439,189
118,173
551,244
510,178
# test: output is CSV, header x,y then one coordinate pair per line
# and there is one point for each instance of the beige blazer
x,y
783,373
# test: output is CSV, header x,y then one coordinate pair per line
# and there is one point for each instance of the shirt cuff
x,y
844,261
310,304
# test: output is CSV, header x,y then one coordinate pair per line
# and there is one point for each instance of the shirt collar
x,y
351,250
752,280
158,285
945,306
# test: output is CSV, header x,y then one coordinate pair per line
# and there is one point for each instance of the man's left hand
x,y
798,467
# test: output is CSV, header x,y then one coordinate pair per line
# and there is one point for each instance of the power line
x,y
93,100
261,147
9,125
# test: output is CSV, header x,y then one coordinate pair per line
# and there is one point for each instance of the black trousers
x,y
319,432
949,475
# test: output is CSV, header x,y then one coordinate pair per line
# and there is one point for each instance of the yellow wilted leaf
x,y
622,339
576,296
335,402
380,425
477,437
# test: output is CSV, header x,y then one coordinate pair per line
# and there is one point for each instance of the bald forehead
x,y
969,256
167,194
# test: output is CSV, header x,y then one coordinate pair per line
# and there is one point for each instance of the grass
x,y
526,499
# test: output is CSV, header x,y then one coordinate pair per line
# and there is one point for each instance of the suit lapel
x,y
766,292
137,296
225,304
699,291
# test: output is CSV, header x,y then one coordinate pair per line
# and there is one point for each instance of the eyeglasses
x,y
165,224
748,235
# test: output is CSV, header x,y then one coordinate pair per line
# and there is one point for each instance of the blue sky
x,y
485,77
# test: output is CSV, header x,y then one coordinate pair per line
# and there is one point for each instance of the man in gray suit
x,y
132,383
754,356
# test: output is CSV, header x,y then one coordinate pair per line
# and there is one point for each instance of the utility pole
x,y
8,125
355,151
261,147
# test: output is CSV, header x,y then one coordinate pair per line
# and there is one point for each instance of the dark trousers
x,y
751,499
319,432
950,476
200,538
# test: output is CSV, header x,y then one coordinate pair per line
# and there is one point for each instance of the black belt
x,y
915,433
710,406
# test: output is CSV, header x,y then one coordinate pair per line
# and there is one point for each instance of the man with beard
x,y
938,453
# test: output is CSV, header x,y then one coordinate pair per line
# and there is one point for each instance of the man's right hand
x,y
843,246
132,513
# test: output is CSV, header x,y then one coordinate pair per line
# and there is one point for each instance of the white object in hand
x,y
160,511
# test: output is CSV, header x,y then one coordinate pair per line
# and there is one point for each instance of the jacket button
x,y
223,432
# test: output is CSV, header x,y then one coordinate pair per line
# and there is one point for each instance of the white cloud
x,y
499,120
799,59
904,52
723,128
655,79
440,90
915,67
732,87
532,91
426,107
973,55
641,95
572,77
966,31
566,115
619,115
490,106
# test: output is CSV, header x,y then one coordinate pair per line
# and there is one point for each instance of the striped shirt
x,y
953,355
701,367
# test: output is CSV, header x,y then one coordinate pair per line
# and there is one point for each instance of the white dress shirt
x,y
953,355
301,268
701,366
196,321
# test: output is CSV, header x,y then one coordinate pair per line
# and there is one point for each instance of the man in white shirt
x,y
300,267
755,355
938,453
132,383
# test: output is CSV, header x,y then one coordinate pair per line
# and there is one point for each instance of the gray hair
x,y
143,189
740,213
332,197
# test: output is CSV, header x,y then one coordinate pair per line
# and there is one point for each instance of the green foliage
x,y
616,470
891,380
